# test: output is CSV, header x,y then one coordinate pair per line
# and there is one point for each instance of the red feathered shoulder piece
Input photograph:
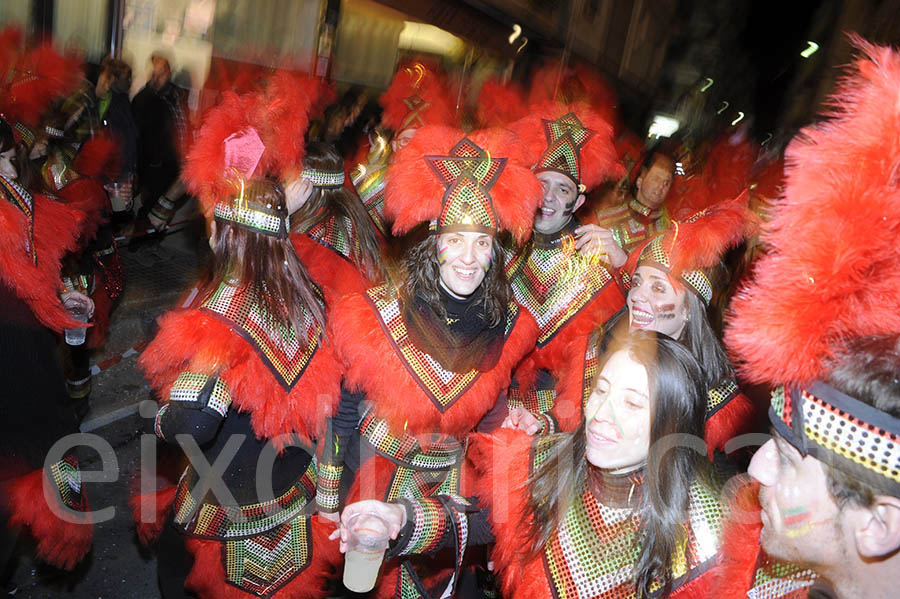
x,y
194,340
416,192
831,273
337,275
56,232
595,158
374,365
500,103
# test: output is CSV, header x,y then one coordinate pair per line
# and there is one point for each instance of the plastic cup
x,y
369,538
79,310
119,196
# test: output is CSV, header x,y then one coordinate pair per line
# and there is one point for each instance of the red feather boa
x,y
740,545
60,543
192,340
207,576
56,228
374,367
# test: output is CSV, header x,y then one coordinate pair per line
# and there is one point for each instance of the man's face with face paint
x,y
654,304
617,428
801,521
464,258
561,199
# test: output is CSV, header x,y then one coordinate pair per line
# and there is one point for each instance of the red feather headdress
x,y
571,139
475,181
500,103
417,96
831,273
697,243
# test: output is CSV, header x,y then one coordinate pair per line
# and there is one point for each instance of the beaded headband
x,y
54,132
324,179
267,221
654,254
565,138
833,427
468,173
25,134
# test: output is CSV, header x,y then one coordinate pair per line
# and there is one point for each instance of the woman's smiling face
x,y
655,304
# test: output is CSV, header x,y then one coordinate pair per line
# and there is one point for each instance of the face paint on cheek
x,y
665,312
484,260
442,254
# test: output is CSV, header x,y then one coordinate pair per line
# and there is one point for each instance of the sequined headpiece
x,y
324,179
267,221
570,139
697,243
468,172
830,274
460,182
417,96
565,138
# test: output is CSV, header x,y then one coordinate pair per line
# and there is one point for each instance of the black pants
x,y
173,563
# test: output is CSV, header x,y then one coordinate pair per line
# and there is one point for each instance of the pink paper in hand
x,y
243,151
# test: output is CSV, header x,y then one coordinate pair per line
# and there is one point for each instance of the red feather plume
x,y
413,193
500,103
41,76
98,156
204,169
701,240
831,274
425,81
288,100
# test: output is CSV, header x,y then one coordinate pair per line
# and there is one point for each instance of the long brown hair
x,y
678,406
265,266
325,203
423,276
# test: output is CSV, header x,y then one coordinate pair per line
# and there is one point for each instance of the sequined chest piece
x,y
284,351
442,386
340,237
555,283
593,552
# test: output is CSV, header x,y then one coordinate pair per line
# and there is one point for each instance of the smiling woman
x,y
612,507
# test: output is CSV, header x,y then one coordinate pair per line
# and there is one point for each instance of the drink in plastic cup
x,y
368,541
119,196
78,310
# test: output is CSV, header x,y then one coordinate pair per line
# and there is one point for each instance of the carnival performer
x,y
35,233
671,279
819,322
331,231
644,214
610,510
427,359
417,96
245,374
561,277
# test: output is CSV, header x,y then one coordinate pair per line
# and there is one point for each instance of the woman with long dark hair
x,y
244,372
426,359
331,230
622,507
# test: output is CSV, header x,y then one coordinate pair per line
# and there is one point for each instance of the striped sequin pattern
x,y
554,284
282,350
